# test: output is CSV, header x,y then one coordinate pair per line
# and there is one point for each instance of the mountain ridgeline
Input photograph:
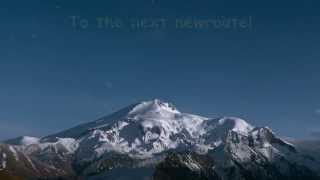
x,y
154,140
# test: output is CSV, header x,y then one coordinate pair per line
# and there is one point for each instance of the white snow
x,y
28,140
153,127
154,124
153,106
238,125
30,162
14,152
70,144
191,164
3,161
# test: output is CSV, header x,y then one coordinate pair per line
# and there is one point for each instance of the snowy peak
x,y
152,127
153,107
144,134
235,124
149,128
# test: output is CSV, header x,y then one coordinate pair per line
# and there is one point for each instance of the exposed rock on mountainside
x,y
153,139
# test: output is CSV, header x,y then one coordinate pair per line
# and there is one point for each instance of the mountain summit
x,y
151,136
138,109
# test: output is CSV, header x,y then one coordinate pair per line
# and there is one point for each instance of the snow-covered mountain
x,y
151,139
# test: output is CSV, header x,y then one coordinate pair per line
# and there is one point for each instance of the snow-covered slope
x,y
23,140
145,131
148,128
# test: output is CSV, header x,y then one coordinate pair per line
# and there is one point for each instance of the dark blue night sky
x,y
54,75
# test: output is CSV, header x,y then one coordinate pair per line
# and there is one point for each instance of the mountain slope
x,y
154,139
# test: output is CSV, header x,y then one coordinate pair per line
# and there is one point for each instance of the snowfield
x,y
146,130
